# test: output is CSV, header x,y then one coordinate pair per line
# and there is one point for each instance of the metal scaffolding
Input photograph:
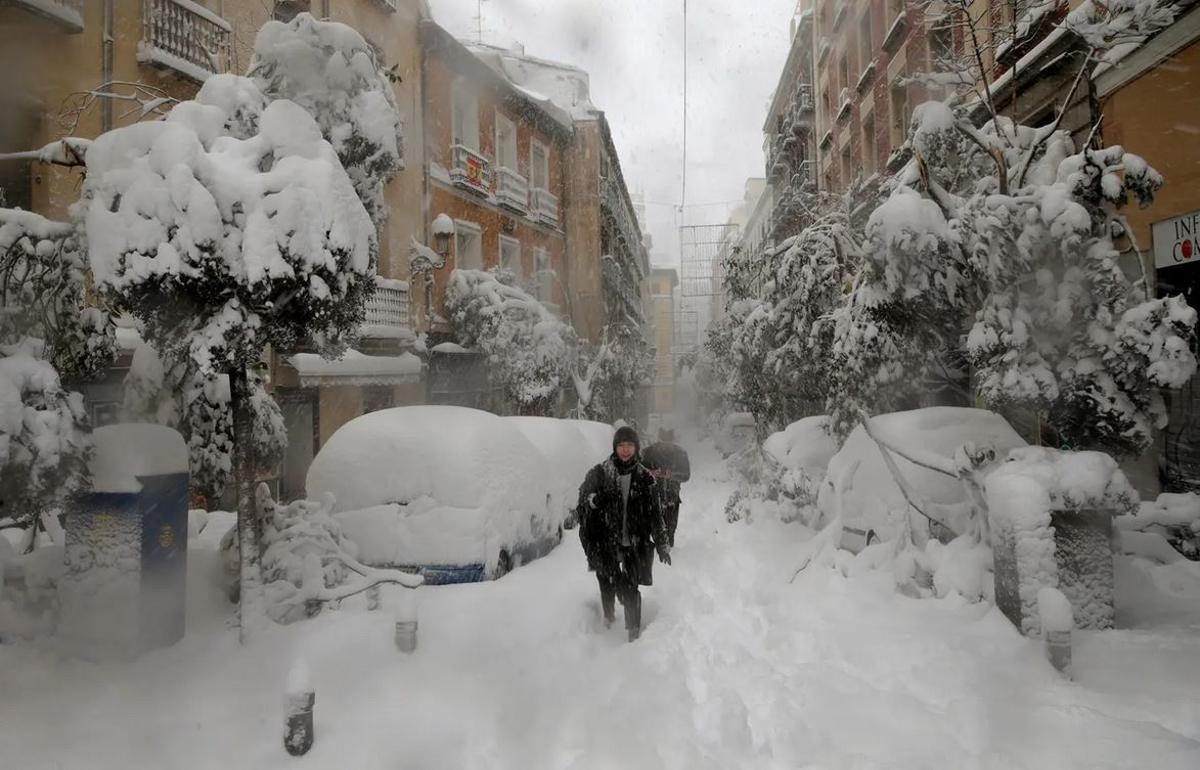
x,y
702,247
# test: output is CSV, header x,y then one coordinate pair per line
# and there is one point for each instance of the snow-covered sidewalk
x,y
736,668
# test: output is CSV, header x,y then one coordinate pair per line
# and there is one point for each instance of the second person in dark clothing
x,y
621,525
668,463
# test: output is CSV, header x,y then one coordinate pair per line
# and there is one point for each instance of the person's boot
x,y
633,615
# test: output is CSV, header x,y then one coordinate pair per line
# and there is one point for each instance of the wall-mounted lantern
x,y
422,259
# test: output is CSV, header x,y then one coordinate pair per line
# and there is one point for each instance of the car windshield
x,y
575,384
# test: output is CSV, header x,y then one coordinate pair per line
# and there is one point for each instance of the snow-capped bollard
x,y
298,711
373,599
406,621
1057,621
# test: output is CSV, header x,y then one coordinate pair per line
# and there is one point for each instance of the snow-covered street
x,y
736,668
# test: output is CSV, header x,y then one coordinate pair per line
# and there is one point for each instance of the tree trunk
x,y
250,609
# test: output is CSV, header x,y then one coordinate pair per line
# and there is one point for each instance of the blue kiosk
x,y
124,584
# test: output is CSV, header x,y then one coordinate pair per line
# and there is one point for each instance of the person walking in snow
x,y
620,527
668,464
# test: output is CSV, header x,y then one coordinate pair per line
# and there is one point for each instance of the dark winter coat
x,y
668,457
600,521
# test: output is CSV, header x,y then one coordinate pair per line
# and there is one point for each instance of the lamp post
x,y
422,259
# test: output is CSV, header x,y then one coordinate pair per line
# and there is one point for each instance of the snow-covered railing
x,y
844,105
469,169
805,102
864,80
512,190
545,206
68,12
895,33
388,309
185,36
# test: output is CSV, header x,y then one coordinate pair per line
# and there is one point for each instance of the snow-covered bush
x,y
302,545
529,350
1170,522
45,331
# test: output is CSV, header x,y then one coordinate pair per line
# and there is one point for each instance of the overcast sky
x,y
633,51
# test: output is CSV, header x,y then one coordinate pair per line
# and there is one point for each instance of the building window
x,y
510,255
539,165
506,143
847,167
941,41
468,246
866,43
844,71
465,116
900,115
543,275
870,151
895,8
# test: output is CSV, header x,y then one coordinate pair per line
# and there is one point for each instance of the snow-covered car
x,y
459,493
872,505
805,445
568,451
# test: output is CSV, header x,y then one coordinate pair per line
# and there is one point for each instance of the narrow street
x,y
736,668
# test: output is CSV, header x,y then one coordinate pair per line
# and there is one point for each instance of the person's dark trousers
x,y
608,596
631,600
671,518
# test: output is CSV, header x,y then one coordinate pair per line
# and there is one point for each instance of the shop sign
x,y
1177,240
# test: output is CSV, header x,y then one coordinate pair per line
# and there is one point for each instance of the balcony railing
x,y
185,36
512,190
387,310
469,169
545,206
67,12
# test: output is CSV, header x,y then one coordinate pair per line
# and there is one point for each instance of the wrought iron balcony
x,y
186,37
388,310
512,190
69,13
545,207
470,170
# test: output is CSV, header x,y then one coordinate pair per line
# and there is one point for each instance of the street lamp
x,y
422,259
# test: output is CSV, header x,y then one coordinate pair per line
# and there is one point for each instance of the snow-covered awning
x,y
355,368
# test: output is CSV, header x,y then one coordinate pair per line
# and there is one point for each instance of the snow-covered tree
x,y
1013,225
227,230
608,376
529,351
331,71
46,332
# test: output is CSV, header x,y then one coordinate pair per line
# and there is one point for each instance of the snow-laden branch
x,y
70,151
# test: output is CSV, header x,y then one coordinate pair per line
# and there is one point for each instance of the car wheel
x,y
872,538
503,565
560,531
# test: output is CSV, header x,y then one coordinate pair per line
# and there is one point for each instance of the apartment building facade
x,y
82,67
663,283
494,163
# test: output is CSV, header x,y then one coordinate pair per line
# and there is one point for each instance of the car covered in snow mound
x,y
872,505
459,493
571,448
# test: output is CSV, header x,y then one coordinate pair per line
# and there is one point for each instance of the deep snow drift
x,y
736,668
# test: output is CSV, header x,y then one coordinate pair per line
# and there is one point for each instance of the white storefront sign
x,y
1177,240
